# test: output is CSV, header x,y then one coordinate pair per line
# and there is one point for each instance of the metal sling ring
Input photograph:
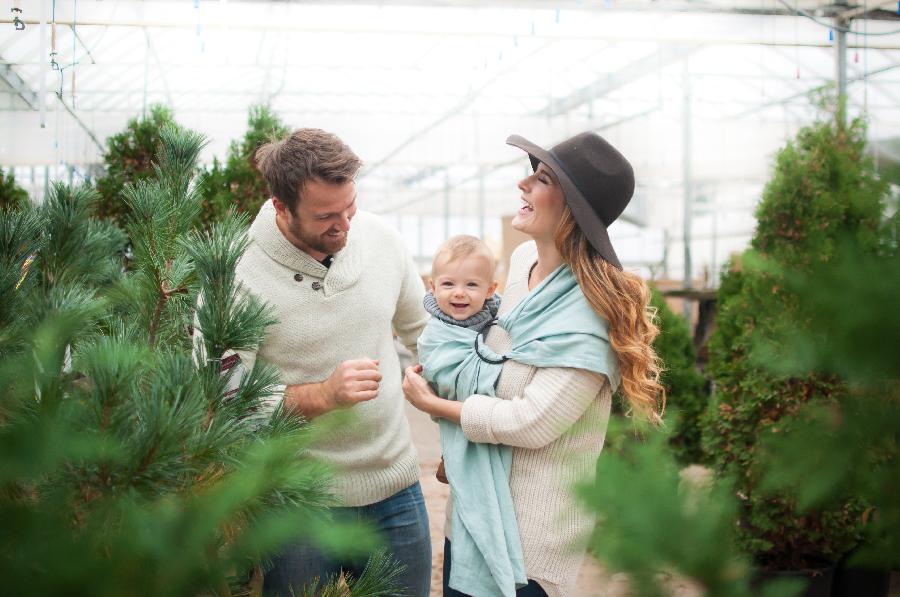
x,y
483,332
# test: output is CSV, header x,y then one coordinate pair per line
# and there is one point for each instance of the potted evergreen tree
x,y
130,157
11,194
236,184
686,395
823,189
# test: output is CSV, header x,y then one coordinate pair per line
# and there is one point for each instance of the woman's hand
x,y
419,394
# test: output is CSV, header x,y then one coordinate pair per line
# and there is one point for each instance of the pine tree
x,y
128,466
237,184
823,190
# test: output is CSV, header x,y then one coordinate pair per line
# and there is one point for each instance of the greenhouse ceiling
x,y
698,94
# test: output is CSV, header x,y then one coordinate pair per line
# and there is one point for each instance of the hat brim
x,y
593,228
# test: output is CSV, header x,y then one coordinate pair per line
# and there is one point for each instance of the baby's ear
x,y
492,288
431,283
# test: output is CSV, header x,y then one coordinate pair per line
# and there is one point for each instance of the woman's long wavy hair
x,y
623,300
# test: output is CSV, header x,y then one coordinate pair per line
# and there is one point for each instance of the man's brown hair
x,y
305,155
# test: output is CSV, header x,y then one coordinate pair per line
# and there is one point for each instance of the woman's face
x,y
542,207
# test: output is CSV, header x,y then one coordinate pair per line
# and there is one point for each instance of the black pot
x,y
818,580
860,582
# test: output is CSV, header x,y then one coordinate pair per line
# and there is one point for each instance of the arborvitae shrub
x,y
237,184
11,194
129,158
686,395
823,189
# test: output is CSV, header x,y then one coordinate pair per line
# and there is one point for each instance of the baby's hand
x,y
416,389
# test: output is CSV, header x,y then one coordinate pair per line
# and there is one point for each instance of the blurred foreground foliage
x,y
128,466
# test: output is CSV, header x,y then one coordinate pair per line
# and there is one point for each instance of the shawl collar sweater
x,y
330,315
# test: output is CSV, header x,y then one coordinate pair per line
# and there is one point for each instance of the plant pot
x,y
818,580
860,582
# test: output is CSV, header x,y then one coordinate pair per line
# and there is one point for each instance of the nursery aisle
x,y
425,437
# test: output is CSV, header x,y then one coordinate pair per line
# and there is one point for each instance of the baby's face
x,y
462,286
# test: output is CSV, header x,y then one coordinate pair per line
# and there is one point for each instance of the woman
x,y
555,417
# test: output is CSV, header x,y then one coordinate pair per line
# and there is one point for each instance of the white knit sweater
x,y
555,419
329,315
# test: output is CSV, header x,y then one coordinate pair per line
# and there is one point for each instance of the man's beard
x,y
322,243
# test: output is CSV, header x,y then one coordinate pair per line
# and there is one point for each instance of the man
x,y
338,290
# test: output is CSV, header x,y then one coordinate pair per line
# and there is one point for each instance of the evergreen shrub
x,y
129,158
236,184
823,190
686,395
11,194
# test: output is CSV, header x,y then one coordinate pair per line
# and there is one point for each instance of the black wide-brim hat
x,y
597,181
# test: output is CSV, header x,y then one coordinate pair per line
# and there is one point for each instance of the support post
x,y
686,174
840,60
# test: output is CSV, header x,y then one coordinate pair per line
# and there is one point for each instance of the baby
x,y
483,529
462,289
462,283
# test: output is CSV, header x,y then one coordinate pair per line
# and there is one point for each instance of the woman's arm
x,y
552,402
554,399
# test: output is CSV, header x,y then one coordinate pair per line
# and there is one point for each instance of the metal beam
x,y
805,92
482,170
12,78
631,72
459,107
669,36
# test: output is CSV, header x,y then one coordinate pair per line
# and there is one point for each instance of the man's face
x,y
462,286
321,219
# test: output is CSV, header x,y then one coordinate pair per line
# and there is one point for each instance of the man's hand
x,y
353,382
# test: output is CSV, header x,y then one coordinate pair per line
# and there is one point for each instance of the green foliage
x,y
685,393
129,159
823,190
651,519
850,449
127,466
12,196
237,184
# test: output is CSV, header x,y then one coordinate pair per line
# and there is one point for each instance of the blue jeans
x,y
532,589
402,522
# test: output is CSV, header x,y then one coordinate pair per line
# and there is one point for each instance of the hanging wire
x,y
803,13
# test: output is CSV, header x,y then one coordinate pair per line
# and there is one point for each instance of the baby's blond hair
x,y
461,246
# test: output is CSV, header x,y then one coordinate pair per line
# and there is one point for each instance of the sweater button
x,y
298,277
317,286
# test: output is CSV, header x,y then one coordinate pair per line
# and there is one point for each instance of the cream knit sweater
x,y
329,315
555,420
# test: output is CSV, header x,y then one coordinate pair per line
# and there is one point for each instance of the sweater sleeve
x,y
410,316
553,401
